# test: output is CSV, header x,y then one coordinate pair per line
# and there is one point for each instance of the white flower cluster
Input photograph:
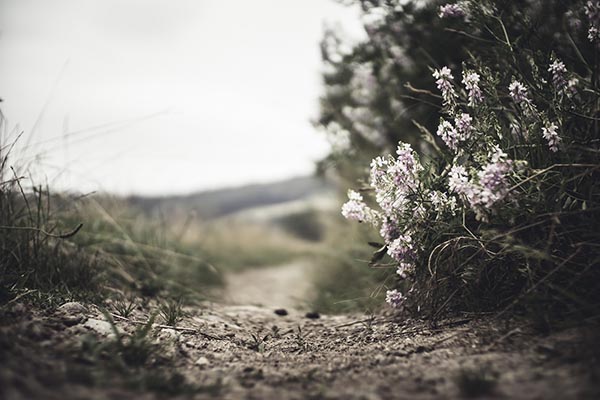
x,y
374,18
443,81
402,249
394,298
448,134
404,205
592,10
485,187
404,269
518,92
551,135
335,44
463,122
471,82
442,203
451,11
356,209
561,82
395,181
453,135
480,179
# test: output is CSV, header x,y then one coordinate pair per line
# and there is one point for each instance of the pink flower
x,y
448,134
471,82
394,298
451,11
549,133
518,92
443,81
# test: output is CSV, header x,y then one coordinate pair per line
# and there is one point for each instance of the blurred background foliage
x,y
376,90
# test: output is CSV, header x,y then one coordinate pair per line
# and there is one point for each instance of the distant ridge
x,y
220,202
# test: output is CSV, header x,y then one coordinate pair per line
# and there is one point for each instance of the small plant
x,y
128,361
125,307
275,332
131,350
258,341
171,311
300,338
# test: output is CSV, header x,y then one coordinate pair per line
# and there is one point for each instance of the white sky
x,y
229,88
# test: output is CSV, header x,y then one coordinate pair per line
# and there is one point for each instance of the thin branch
x,y
468,35
543,171
65,235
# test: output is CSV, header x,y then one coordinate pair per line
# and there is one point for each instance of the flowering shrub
x,y
500,204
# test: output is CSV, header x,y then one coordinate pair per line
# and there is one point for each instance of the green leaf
x,y
378,255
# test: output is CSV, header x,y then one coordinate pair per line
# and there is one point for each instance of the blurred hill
x,y
218,203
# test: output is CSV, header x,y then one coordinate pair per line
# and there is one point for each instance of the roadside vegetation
x,y
470,130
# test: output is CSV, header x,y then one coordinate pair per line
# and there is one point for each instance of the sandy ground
x,y
242,349
283,286
249,352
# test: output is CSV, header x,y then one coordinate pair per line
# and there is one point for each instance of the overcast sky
x,y
165,96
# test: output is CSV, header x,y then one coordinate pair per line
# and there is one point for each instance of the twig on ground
x,y
503,338
362,321
19,297
176,328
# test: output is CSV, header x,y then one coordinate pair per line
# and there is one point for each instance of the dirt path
x,y
248,352
284,286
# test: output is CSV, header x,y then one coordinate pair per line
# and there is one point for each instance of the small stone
x,y
281,311
202,361
72,307
313,315
71,313
101,327
168,333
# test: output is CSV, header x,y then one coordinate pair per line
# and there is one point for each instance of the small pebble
x,y
313,315
71,313
281,311
101,327
72,308
202,361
